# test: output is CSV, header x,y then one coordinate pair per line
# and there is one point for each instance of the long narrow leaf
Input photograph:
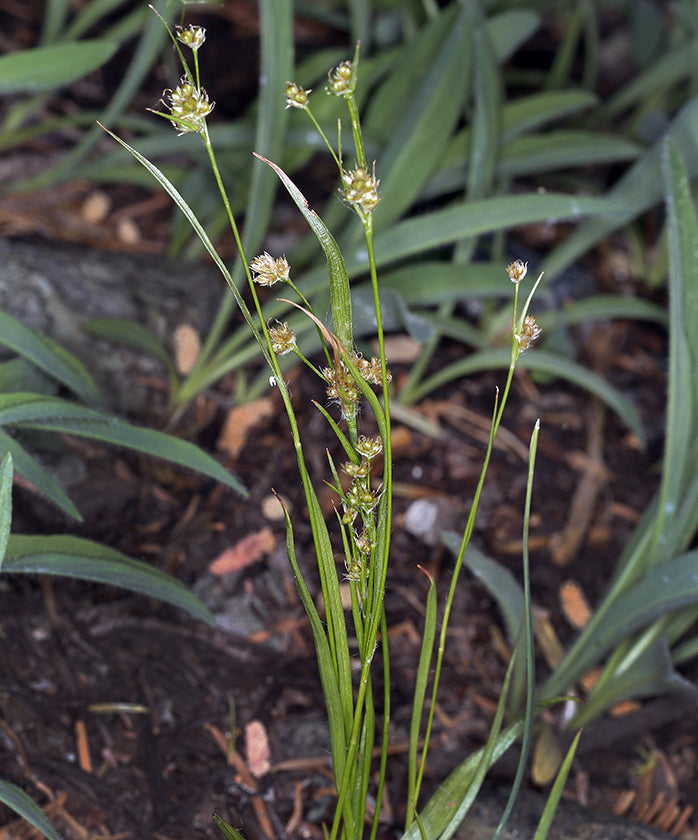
x,y
34,411
49,356
75,557
47,68
539,360
16,799
28,467
5,503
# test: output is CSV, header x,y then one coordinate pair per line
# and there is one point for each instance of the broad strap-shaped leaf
x,y
666,588
48,68
649,675
637,190
34,411
49,357
17,800
75,557
538,360
28,467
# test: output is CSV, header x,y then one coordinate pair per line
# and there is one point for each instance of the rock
x,y
54,288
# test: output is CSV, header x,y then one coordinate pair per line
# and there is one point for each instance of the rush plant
x,y
357,388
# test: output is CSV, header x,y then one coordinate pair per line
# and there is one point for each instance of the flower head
x,y
268,270
342,79
369,447
189,107
361,187
296,97
283,339
529,333
517,271
191,36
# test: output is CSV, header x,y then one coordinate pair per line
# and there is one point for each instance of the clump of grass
x,y
356,387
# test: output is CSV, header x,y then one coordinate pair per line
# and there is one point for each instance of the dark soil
x,y
162,771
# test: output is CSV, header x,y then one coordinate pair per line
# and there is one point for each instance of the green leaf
x,y
682,419
5,503
16,799
48,356
340,296
668,587
75,557
449,795
435,101
34,411
538,360
129,334
28,467
556,791
650,675
556,150
497,580
442,227
229,832
637,190
48,68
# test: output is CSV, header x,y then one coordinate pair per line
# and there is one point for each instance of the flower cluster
x,y
296,97
268,270
517,271
342,386
529,333
360,501
191,36
361,187
283,339
342,81
189,106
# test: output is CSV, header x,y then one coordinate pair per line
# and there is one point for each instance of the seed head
x,y
361,188
369,447
364,543
283,339
268,271
342,80
191,36
357,470
341,386
188,106
370,370
517,271
529,333
296,97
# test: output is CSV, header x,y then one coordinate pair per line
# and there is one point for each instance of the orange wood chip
x,y
240,421
187,346
250,549
257,748
574,605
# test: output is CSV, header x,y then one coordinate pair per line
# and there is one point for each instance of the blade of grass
x,y
48,356
34,411
75,557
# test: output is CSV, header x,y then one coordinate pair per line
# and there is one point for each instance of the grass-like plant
x,y
29,407
360,472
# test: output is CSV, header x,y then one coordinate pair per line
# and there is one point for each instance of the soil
x,y
161,767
